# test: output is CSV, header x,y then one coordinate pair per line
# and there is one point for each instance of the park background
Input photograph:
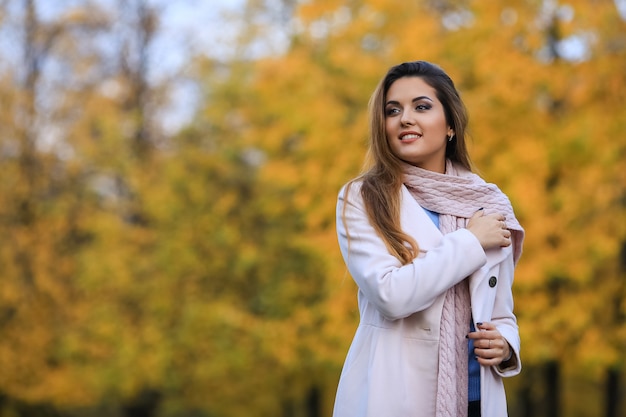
x,y
169,180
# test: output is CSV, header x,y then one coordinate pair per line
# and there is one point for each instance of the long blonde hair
x,y
382,179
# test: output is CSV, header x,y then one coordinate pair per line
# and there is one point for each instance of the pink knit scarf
x,y
456,196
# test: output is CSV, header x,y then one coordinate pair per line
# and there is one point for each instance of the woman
x,y
432,248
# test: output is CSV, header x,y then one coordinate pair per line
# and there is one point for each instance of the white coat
x,y
392,365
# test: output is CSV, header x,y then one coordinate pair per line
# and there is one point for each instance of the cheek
x,y
388,126
389,132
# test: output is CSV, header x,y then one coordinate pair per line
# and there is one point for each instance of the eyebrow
x,y
412,101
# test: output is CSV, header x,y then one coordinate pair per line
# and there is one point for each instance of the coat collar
x,y
416,222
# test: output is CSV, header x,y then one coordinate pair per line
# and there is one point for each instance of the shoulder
x,y
351,189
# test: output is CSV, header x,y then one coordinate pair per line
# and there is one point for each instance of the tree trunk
x,y
526,404
612,393
553,389
145,404
313,402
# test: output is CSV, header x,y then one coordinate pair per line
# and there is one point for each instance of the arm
x,y
398,290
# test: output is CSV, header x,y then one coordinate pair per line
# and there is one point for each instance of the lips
x,y
409,136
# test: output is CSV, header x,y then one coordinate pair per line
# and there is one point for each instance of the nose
x,y
407,119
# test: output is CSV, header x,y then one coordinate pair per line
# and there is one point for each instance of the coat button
x,y
493,281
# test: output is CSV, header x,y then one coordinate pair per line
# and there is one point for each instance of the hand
x,y
490,348
490,230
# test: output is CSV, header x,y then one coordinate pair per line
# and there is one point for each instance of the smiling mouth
x,y
410,136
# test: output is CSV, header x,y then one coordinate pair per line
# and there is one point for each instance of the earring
x,y
450,137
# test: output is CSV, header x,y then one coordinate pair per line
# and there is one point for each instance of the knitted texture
x,y
452,390
460,193
456,196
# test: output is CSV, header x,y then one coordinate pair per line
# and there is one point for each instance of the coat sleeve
x,y
504,318
397,290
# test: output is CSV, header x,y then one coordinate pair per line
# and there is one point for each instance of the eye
x,y
423,106
390,111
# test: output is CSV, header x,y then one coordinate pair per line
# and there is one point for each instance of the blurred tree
x,y
41,212
73,149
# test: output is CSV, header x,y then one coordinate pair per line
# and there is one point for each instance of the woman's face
x,y
415,123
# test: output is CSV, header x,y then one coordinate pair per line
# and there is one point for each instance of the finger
x,y
485,325
477,337
479,213
497,343
487,352
489,361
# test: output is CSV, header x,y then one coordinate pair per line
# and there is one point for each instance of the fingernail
x,y
480,323
482,208
466,336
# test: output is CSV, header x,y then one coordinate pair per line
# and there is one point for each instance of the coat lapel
x,y
416,222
